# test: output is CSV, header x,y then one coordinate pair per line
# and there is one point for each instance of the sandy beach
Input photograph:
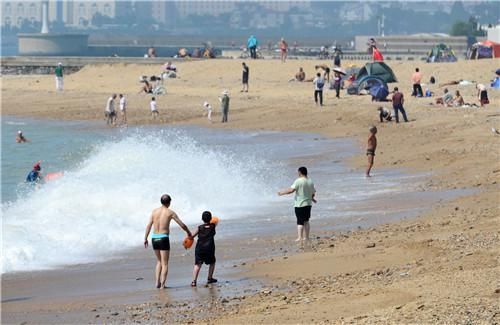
x,y
440,267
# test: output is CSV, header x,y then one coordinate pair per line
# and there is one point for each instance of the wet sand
x,y
441,267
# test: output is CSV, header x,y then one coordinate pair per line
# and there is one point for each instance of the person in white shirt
x,y
110,112
154,109
208,107
123,109
319,83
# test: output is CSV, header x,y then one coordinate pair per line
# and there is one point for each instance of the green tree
x,y
466,28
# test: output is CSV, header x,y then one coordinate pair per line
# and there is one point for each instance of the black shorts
x,y
207,257
162,244
109,114
303,214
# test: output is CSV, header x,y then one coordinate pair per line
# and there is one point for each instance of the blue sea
x,y
113,178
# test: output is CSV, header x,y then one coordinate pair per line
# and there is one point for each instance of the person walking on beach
x,y
154,108
123,109
224,103
160,222
283,50
205,248
110,112
244,77
59,77
337,80
319,83
416,79
370,149
397,105
305,193
252,44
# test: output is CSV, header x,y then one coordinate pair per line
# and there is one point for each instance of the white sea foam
x,y
102,206
15,123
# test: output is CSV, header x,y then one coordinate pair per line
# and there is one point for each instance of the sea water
x,y
113,178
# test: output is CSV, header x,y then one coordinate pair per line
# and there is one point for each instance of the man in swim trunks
x,y
160,221
370,149
305,193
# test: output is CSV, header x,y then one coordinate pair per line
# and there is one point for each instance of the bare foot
x,y
158,285
367,175
298,239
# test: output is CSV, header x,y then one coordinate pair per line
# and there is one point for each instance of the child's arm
x,y
194,234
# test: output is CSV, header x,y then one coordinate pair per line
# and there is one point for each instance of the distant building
x,y
199,8
69,12
80,13
14,13
355,12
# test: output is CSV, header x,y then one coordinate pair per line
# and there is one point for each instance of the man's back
x,y
110,105
416,78
397,98
304,190
161,220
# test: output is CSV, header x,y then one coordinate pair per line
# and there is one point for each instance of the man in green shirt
x,y
59,77
305,193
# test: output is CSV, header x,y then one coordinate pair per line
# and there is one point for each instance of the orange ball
x,y
214,220
188,242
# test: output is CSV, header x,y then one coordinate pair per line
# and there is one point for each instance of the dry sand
x,y
442,267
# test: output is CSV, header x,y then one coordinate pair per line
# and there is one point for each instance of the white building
x,y
70,12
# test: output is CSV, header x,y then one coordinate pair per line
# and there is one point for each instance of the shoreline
x,y
428,243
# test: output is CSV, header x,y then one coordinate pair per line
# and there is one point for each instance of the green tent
x,y
377,69
441,53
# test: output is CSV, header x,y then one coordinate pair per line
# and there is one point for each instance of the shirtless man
x,y
160,220
370,149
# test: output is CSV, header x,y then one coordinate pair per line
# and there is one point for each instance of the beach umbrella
x,y
339,70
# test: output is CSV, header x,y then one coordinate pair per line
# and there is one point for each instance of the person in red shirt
x,y
397,104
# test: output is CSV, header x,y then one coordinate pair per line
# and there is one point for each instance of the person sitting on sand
x,y
458,100
20,137
482,94
147,87
160,222
349,80
384,114
370,150
301,75
205,248
446,99
170,67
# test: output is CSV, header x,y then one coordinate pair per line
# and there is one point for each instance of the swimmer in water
x,y
35,175
20,137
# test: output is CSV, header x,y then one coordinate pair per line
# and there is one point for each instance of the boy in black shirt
x,y
205,248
